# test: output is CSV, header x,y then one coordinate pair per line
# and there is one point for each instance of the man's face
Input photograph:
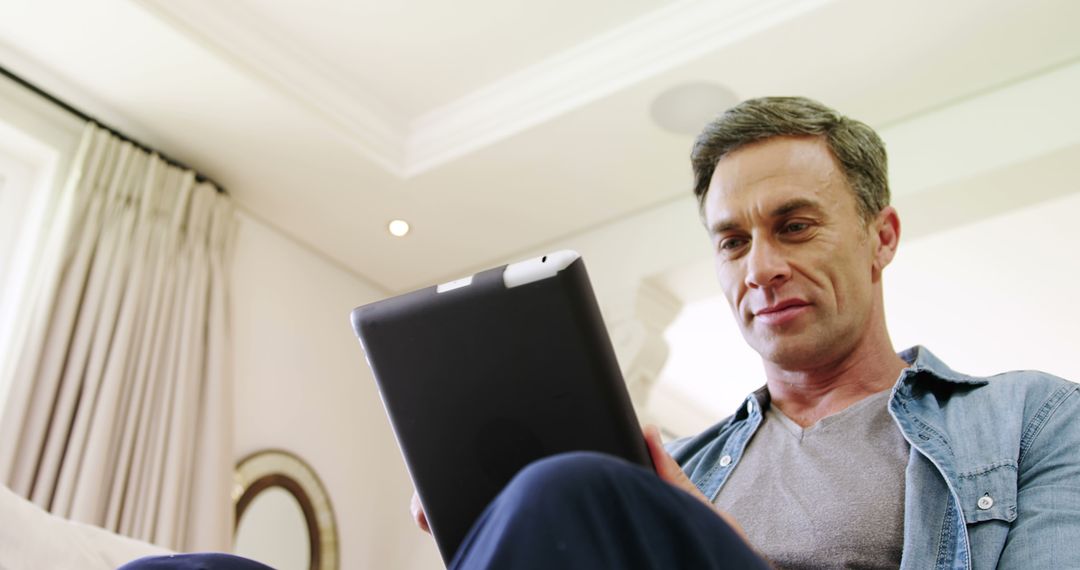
x,y
793,255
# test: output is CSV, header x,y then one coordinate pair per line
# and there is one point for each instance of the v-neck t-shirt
x,y
830,495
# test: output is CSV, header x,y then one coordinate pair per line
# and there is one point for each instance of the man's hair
x,y
855,146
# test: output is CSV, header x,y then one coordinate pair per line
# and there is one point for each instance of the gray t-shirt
x,y
828,496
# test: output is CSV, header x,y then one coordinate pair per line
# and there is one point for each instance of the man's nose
x,y
766,265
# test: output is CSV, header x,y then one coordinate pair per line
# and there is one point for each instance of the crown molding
x,y
649,45
256,46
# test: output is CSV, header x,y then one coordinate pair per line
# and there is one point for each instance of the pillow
x,y
31,538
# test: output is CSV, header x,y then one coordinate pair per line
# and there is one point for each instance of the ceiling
x,y
493,127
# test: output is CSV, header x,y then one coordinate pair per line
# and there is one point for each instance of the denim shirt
x,y
993,480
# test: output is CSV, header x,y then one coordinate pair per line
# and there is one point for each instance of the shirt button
x,y
749,407
725,461
985,502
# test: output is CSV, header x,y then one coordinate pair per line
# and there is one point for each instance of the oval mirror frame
x,y
278,468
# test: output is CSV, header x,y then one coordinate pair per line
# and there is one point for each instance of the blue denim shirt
x,y
993,480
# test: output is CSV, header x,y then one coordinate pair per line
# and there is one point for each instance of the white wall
x,y
302,385
986,187
994,295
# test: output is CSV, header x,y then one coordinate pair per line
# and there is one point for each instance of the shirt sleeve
x,y
1046,532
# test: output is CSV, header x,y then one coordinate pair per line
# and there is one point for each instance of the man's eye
x,y
795,227
732,243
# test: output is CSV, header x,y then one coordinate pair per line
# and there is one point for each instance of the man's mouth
x,y
782,312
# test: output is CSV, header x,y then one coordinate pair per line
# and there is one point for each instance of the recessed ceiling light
x,y
686,108
399,228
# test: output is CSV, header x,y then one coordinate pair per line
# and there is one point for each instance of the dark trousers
x,y
197,561
589,511
576,511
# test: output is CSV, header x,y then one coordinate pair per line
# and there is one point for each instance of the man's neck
x,y
807,396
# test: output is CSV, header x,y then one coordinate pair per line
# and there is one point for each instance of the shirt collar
x,y
923,364
757,401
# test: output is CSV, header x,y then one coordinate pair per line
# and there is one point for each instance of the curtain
x,y
119,411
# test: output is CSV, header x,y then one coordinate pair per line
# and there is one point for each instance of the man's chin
x,y
791,353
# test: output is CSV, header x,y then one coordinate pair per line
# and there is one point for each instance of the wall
x,y
996,295
302,385
988,296
985,187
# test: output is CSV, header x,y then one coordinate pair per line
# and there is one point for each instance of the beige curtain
x,y
119,412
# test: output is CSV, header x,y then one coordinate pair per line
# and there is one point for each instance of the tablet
x,y
483,375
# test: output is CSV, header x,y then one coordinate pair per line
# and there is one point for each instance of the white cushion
x,y
31,539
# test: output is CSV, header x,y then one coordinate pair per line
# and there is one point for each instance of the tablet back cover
x,y
481,380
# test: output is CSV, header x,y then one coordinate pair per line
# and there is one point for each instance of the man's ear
x,y
886,227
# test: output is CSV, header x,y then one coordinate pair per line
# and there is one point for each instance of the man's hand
x,y
418,513
668,470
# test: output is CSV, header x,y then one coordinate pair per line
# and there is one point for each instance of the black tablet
x,y
483,375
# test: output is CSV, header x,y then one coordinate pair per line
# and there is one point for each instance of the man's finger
x,y
666,467
669,470
418,514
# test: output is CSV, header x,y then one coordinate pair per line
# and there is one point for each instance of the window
x,y
37,142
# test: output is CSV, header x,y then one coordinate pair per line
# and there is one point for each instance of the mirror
x,y
283,514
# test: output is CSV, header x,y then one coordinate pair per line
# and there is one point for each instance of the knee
x,y
198,561
569,474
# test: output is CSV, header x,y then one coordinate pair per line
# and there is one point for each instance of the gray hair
x,y
856,147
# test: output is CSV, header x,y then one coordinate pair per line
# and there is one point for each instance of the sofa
x,y
33,539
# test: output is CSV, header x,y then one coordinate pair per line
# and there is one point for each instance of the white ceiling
x,y
494,128
409,57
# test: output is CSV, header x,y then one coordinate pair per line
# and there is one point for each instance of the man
x,y
851,455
